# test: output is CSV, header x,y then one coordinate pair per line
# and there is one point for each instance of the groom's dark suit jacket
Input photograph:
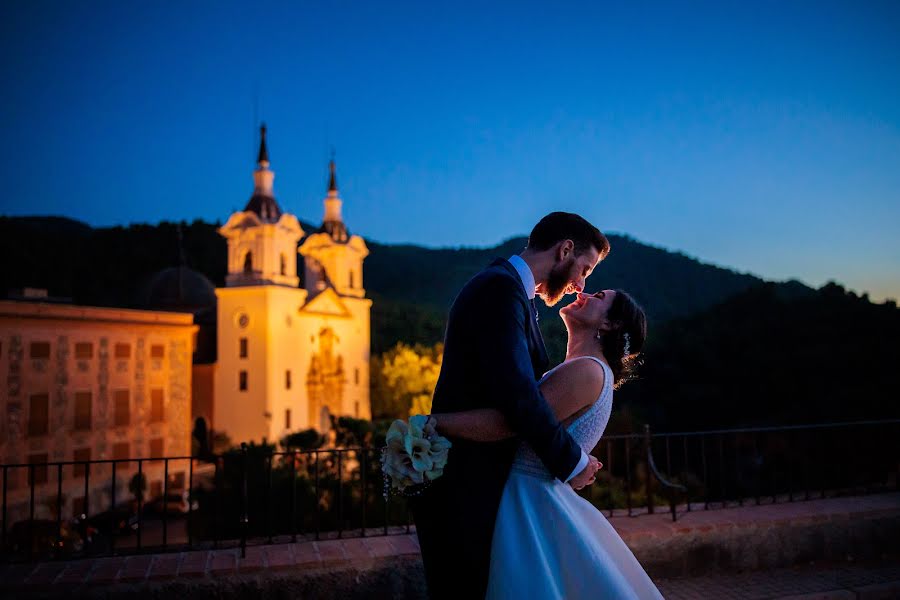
x,y
493,357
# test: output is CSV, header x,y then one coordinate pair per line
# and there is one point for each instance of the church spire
x,y
333,224
263,156
332,179
263,200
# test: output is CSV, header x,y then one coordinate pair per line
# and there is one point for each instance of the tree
x,y
403,380
308,439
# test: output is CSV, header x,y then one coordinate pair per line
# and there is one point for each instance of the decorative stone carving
x,y
103,402
140,382
178,409
325,381
14,375
59,415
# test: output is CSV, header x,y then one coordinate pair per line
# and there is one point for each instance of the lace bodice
x,y
587,429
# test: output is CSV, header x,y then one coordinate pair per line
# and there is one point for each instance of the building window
x,y
244,351
157,406
122,408
83,411
356,409
287,418
38,415
248,263
156,448
356,375
287,379
123,351
242,381
84,351
120,451
351,279
39,469
82,454
157,351
283,265
40,350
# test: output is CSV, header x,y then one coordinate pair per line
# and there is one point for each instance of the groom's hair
x,y
558,226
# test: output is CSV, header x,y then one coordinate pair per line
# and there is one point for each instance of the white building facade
x,y
291,355
92,384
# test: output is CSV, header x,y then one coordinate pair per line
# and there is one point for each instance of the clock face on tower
x,y
241,319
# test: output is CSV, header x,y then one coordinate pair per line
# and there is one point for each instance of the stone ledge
x,y
363,554
763,537
734,539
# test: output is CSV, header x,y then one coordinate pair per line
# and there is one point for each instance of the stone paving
x,y
847,581
699,539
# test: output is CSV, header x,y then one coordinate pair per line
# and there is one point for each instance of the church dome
x,y
179,288
265,207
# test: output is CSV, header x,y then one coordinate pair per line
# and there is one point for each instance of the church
x,y
293,323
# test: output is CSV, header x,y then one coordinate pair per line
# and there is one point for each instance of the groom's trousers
x,y
455,522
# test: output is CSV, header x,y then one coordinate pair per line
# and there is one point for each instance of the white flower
x,y
414,452
417,425
396,433
419,450
398,467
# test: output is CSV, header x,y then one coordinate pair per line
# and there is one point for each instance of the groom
x,y
493,356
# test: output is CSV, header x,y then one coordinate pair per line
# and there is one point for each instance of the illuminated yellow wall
x,y
104,354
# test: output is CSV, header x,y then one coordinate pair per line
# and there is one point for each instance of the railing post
x,y
165,504
190,515
245,521
59,509
293,496
140,501
5,487
316,513
112,535
364,494
648,482
340,482
31,513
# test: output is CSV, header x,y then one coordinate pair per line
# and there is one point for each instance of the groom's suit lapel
x,y
539,359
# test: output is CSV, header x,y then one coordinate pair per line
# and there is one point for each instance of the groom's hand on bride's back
x,y
588,475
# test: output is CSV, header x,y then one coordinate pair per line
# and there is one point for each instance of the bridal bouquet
x,y
415,455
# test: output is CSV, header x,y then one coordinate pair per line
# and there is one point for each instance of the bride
x,y
548,541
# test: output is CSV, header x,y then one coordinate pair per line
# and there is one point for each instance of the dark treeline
x,y
766,357
726,349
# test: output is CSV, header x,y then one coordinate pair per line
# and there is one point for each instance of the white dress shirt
x,y
527,278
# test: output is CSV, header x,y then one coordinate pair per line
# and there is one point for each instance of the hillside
x,y
764,357
412,286
423,282
725,349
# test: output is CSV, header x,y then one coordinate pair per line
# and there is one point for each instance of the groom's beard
x,y
558,282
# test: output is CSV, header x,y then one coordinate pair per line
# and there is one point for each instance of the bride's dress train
x,y
549,542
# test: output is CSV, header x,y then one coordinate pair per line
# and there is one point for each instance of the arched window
x,y
283,265
248,262
351,279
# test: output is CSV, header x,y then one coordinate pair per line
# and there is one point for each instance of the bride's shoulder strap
x,y
607,372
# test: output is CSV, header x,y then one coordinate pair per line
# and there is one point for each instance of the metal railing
x,y
255,495
703,470
245,496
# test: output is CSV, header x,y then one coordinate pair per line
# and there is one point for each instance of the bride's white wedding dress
x,y
549,542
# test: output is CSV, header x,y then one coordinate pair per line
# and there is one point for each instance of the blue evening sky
x,y
759,135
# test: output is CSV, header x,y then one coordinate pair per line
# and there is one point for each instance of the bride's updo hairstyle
x,y
628,318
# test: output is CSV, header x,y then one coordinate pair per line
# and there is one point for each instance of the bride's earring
x,y
599,334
